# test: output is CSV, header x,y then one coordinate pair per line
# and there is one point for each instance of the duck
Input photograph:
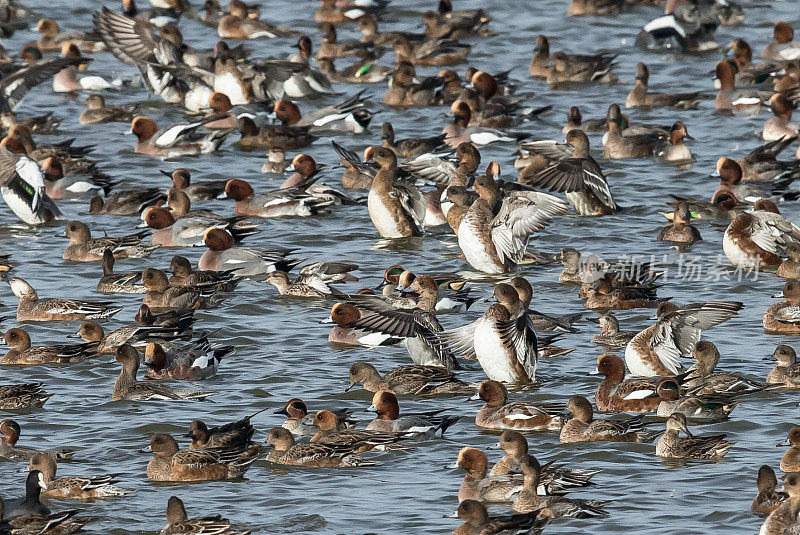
x,y
345,333
790,462
769,497
67,80
758,237
127,202
640,96
178,521
728,98
786,371
703,380
83,248
781,318
184,275
194,361
170,463
23,354
397,210
611,336
23,189
312,454
314,281
74,184
604,294
579,8
521,416
674,149
582,427
615,393
404,91
681,231
52,39
462,129
672,446
268,136
618,146
178,139
349,116
23,396
196,191
295,201
299,423
701,408
332,431
128,388
434,52
10,432
783,47
239,25
762,163
784,518
415,379
134,334
160,296
276,161
779,125
445,22
411,147
477,520
31,308
331,47
74,487
16,85
238,433
579,177
247,262
97,111
188,230
656,350
389,420
365,71
687,27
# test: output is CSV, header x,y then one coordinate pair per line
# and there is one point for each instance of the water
x,y
281,347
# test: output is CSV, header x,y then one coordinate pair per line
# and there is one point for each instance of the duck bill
x,y
282,411
372,408
476,397
350,387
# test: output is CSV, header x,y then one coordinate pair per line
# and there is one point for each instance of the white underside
x,y
381,217
475,251
492,355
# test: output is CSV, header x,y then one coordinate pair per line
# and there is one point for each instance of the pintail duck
x,y
783,47
521,416
238,433
477,520
137,335
74,487
251,262
113,283
127,387
178,139
396,209
31,308
611,336
656,351
769,497
23,188
779,125
496,228
194,361
30,503
782,318
416,380
22,396
640,96
790,462
23,354
670,445
170,463
529,499
98,112
787,371
784,518
196,191
502,340
702,379
314,280
580,177
686,27
615,393
184,275
389,420
404,91
701,408
178,522
681,231
582,427
312,454
10,431
83,248
128,202
411,147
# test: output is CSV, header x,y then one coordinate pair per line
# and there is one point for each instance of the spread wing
x,y
15,86
575,175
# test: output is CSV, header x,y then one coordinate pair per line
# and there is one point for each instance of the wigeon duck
x,y
331,430
194,361
23,396
128,388
170,463
783,47
640,96
268,136
184,275
758,238
656,351
703,408
787,370
23,354
405,91
411,147
615,393
238,433
724,206
196,191
128,202
578,8
178,319
312,454
98,112
580,177
161,296
769,497
782,318
521,416
178,521
189,230
9,435
83,248
178,139
396,209
604,294
75,183
30,503
432,52
31,308
582,427
300,423
702,379
790,462
681,231
279,203
276,161
779,125
345,333
529,500
314,280
728,98
239,25
74,487
134,334
38,124
219,104
23,187
113,283
389,420
478,485
52,38
670,445
416,380
477,520
784,518
349,116
674,149
180,206
250,262
462,129
610,335
67,80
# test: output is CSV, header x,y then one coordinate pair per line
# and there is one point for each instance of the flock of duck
x,y
411,188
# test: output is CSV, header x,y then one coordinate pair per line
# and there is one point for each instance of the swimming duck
x,y
178,139
160,296
67,80
413,379
670,445
294,201
477,520
98,112
314,280
703,380
786,371
196,191
184,275
432,52
783,47
239,25
350,116
615,393
790,462
194,361
178,521
83,248
250,262
782,318
23,396
127,202
22,353
267,136
170,463
784,518
128,388
188,230
674,149
404,91
137,335
312,454
411,147
74,487
640,96
687,27
611,336
582,427
681,231
396,209
762,163
10,431
31,308
388,418
779,125
757,238
332,431
605,294
521,416
656,350
23,188
769,497
233,434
